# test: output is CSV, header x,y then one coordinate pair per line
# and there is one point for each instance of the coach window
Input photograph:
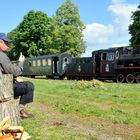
x,y
86,60
43,62
34,63
73,60
81,60
89,60
76,61
65,60
49,62
104,56
30,63
38,62
110,56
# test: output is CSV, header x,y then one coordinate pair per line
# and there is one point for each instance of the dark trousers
x,y
25,90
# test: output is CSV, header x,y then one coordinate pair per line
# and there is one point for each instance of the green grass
x,y
107,104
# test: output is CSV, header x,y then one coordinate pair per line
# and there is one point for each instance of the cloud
x,y
122,18
116,32
97,33
122,13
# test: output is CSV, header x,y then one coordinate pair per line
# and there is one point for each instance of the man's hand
x,y
21,58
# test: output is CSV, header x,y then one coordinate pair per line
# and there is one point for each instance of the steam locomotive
x,y
120,64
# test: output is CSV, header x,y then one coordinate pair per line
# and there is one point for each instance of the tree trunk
x,y
8,106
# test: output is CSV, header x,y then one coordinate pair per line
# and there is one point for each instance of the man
x,y
23,89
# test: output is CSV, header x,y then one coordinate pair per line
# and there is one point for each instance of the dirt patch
x,y
89,127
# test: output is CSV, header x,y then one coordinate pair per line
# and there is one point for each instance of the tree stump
x,y
8,106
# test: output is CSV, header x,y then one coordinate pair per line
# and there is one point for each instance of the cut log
x,y
8,106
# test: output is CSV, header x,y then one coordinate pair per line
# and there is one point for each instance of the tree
x,y
31,35
68,32
38,34
134,28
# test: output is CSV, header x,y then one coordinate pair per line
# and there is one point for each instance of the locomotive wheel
x,y
120,78
68,78
130,78
138,78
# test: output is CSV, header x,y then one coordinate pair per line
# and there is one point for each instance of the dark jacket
x,y
7,67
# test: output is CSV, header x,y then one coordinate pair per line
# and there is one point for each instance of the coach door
x,y
55,66
96,63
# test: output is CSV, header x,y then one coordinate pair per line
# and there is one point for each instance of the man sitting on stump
x,y
23,89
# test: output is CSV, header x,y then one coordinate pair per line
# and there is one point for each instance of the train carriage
x,y
51,66
80,68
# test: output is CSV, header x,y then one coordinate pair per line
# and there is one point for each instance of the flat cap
x,y
4,37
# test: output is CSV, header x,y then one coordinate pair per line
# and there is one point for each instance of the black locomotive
x,y
120,64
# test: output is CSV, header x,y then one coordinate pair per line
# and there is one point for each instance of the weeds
x,y
89,84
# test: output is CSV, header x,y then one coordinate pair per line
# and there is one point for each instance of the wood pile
x,y
8,132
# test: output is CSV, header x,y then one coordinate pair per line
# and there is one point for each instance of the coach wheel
x,y
120,78
138,78
68,77
32,76
130,78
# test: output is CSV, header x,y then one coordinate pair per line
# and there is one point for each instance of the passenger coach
x,y
51,66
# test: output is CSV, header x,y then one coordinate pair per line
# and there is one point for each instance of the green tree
x,y
134,28
31,35
68,36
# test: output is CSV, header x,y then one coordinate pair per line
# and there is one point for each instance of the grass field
x,y
84,110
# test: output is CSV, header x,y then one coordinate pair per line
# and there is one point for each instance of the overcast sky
x,y
106,21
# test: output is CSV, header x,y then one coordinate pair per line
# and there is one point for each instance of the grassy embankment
x,y
76,110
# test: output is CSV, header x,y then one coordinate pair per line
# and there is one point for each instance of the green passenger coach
x,y
51,66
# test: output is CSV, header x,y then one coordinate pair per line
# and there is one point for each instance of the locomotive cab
x,y
103,66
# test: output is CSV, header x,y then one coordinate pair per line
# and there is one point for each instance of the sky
x,y
106,21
